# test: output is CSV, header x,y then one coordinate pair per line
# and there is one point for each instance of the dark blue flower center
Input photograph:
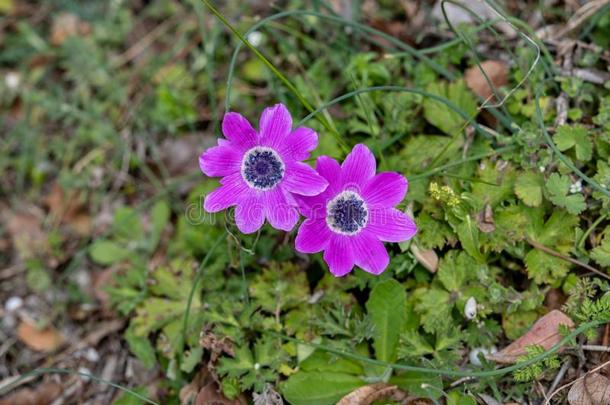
x,y
262,168
347,213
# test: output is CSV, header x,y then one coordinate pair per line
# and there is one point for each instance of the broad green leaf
x,y
517,323
443,117
415,383
322,361
386,307
574,136
154,313
126,224
528,188
191,359
319,388
468,234
558,188
106,252
141,347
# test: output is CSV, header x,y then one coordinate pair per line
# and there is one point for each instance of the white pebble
x,y
13,304
84,370
255,38
474,354
470,309
92,355
12,80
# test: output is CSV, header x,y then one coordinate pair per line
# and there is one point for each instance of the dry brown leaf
x,y
204,390
496,71
427,258
67,25
69,208
41,340
545,332
485,220
43,394
210,395
593,389
28,237
370,393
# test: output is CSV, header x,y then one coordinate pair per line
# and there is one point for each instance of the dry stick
x,y
144,42
596,348
581,15
552,252
548,400
562,372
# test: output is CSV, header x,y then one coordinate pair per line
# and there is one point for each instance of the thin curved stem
x,y
394,41
561,156
41,371
354,93
196,281
446,372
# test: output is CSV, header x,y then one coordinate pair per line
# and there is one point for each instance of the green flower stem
x,y
561,156
276,72
446,372
196,281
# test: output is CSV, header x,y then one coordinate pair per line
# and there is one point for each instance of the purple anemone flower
x,y
262,171
352,218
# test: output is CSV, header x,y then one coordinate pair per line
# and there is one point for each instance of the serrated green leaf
x,y
386,307
558,188
601,253
441,116
528,188
141,347
574,136
544,268
106,252
319,388
454,269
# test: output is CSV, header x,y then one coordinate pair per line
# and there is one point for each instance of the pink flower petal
x,y
232,188
385,190
338,255
358,167
302,179
238,130
250,212
313,236
281,211
331,170
391,225
312,207
369,253
220,161
299,143
275,125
